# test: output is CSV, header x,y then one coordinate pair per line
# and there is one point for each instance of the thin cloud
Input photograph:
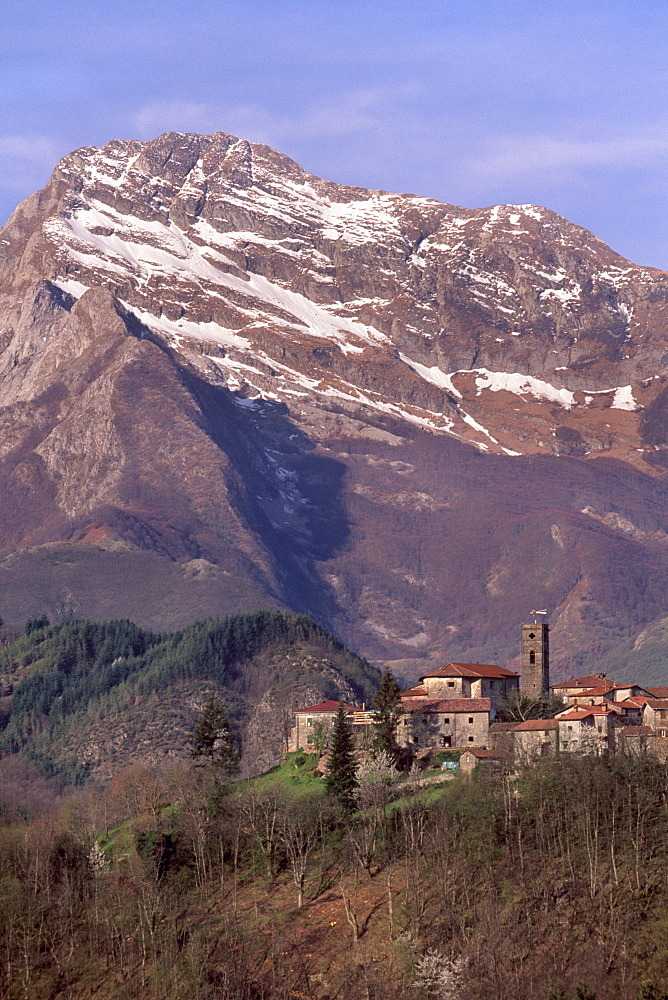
x,y
39,149
521,155
364,110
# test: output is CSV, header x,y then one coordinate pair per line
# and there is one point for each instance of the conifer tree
x,y
341,781
213,742
387,706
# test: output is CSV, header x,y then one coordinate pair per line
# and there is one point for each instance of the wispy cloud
x,y
521,155
361,110
30,148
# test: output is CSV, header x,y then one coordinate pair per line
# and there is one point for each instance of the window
x,y
470,719
445,741
600,729
309,722
451,684
532,656
309,739
470,739
662,732
405,722
446,722
532,635
570,729
415,739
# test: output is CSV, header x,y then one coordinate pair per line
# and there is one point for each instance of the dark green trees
x,y
213,742
341,781
387,705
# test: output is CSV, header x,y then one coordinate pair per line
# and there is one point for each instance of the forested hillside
x,y
93,697
547,884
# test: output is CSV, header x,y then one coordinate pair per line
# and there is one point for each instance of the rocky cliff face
x,y
226,383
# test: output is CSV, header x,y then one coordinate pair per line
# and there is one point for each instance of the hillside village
x,y
457,707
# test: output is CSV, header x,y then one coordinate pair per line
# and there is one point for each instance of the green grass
x,y
294,778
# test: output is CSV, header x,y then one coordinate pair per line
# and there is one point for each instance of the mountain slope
x,y
96,697
250,386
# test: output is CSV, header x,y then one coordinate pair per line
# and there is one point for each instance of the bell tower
x,y
535,657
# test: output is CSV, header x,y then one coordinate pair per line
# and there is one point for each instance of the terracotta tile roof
x,y
576,714
591,680
414,692
656,703
483,754
536,725
636,731
629,703
326,706
596,692
443,706
470,670
660,692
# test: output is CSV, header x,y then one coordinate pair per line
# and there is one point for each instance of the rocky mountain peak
x,y
208,353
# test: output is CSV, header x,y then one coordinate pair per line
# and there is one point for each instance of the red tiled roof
x,y
660,692
483,754
536,725
596,692
591,680
576,714
470,670
629,703
656,703
326,706
443,706
414,692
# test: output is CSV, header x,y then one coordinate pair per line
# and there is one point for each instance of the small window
x,y
662,732
470,739
600,729
309,739
532,656
470,719
446,722
405,722
309,722
451,684
415,739
445,741
570,729
532,635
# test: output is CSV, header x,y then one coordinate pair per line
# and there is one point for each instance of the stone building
x,y
467,680
535,659
535,738
444,722
307,720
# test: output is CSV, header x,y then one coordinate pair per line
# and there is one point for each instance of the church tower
x,y
535,657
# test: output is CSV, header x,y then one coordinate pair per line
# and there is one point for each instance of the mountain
x,y
93,698
226,383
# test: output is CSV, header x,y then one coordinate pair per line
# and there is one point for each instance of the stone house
x,y
472,758
535,738
306,720
590,729
444,722
468,680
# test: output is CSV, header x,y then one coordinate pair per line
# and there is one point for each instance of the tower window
x,y
532,656
532,635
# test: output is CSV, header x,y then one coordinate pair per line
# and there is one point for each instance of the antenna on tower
x,y
534,613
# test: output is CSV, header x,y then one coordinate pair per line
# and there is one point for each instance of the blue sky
x,y
473,102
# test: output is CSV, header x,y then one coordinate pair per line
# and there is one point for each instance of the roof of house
x,y
483,754
326,706
654,702
637,731
414,692
590,681
445,706
596,692
536,725
629,703
470,670
660,692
